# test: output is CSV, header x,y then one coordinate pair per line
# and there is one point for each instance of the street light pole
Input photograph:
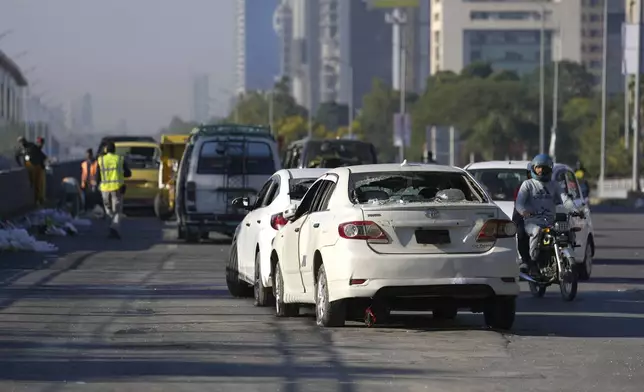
x,y
270,109
398,18
350,103
542,98
637,104
602,164
552,151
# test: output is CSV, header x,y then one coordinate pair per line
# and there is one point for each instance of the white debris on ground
x,y
15,236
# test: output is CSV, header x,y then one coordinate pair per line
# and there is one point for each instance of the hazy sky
x,y
136,57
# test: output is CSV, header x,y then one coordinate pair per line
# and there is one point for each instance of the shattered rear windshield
x,y
413,187
299,186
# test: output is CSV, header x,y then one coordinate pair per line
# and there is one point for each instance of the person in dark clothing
x,y
522,239
31,156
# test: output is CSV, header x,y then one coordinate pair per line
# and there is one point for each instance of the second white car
x,y
249,261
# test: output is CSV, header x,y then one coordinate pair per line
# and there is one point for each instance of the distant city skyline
x,y
138,71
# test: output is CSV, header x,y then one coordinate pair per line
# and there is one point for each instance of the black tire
x,y
569,282
192,235
282,309
327,314
161,209
585,269
236,287
445,313
263,295
537,290
500,313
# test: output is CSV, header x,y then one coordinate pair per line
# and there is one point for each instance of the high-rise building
x,y
305,52
82,114
506,33
257,45
201,98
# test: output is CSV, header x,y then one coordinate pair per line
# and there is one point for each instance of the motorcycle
x,y
556,263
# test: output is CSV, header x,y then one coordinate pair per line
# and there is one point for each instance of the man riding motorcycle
x,y
537,203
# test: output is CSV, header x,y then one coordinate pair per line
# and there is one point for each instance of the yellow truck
x,y
143,160
172,148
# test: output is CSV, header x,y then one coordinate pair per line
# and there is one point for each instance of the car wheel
x,y
586,268
161,209
500,313
192,235
327,313
263,295
282,309
445,313
236,287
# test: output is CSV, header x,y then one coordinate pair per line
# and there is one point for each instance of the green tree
x,y
178,126
332,115
376,119
477,69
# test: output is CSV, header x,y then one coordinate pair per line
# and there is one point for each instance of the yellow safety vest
x,y
112,174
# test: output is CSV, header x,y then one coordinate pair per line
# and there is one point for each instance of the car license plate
x,y
432,237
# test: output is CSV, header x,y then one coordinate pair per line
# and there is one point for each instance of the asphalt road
x,y
151,314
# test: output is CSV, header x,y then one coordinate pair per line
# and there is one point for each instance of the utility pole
x,y
602,165
398,18
350,101
270,109
555,102
637,104
542,98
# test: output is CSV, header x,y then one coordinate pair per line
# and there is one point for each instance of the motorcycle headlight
x,y
562,226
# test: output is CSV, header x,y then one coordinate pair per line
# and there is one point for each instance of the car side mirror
x,y
241,202
289,212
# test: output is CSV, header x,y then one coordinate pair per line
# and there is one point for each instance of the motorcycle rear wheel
x,y
569,281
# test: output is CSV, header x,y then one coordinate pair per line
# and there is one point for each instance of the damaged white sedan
x,y
369,239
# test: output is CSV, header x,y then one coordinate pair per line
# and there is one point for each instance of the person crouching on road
x,y
88,179
112,172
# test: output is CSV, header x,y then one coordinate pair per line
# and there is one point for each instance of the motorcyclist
x,y
537,203
522,239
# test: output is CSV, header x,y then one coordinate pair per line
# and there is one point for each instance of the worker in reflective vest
x,y
88,179
112,171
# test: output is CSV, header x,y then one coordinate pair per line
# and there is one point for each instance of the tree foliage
x,y
496,111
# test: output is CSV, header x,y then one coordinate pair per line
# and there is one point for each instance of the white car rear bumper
x,y
496,270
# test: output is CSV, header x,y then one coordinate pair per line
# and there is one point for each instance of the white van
x,y
221,162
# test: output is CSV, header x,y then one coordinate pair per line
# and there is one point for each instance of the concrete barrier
x,y
16,193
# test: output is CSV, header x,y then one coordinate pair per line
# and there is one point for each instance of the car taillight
x,y
278,221
496,228
363,230
191,191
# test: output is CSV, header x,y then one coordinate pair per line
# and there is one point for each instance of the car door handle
x,y
316,225
248,224
298,229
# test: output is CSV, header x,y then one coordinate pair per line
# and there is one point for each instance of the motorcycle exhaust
x,y
526,277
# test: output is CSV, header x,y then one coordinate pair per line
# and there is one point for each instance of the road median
x,y
17,195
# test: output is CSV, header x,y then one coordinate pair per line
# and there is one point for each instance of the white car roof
x,y
507,165
303,173
396,167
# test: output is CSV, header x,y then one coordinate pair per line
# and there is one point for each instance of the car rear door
x,y
247,236
314,230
